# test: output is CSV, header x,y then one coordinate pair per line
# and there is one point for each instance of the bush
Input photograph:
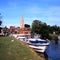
x,y
54,37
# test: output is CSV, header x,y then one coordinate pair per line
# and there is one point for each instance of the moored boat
x,y
38,45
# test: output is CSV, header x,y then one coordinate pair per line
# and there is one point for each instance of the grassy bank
x,y
14,50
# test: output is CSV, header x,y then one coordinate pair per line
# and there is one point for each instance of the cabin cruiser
x,y
38,45
21,38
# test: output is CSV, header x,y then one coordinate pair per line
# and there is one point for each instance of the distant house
x,y
14,29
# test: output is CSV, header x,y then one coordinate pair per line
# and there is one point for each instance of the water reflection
x,y
53,51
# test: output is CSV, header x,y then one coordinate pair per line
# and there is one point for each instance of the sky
x,y
47,11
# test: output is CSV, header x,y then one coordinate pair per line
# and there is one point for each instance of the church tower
x,y
22,22
24,30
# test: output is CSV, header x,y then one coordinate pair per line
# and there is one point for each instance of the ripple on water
x,y
53,51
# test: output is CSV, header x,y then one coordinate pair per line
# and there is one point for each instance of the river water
x,y
53,51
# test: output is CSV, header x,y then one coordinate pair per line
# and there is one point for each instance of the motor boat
x,y
38,45
22,38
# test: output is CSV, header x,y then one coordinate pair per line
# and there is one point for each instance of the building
x,y
14,29
24,30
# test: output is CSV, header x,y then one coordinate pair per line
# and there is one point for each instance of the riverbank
x,y
12,49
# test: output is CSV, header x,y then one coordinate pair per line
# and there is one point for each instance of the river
x,y
53,51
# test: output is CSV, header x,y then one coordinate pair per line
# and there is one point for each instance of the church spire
x,y
22,22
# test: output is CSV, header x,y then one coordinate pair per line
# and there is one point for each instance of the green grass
x,y
15,50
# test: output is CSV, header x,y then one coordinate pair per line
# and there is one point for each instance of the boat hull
x,y
39,45
39,48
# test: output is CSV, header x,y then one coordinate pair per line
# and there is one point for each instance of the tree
x,y
5,31
0,25
43,29
27,26
36,26
0,19
40,28
0,22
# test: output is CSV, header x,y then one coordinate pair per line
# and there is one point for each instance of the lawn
x,y
15,50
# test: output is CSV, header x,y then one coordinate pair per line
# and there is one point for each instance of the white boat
x,y
38,45
22,38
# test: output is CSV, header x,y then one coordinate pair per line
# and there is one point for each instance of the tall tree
x,y
44,31
36,26
27,26
0,19
0,22
40,28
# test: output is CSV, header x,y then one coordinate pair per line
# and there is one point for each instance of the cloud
x,y
51,15
53,11
34,10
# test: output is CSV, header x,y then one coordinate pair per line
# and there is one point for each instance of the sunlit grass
x,y
14,50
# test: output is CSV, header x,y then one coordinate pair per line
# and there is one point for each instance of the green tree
x,y
0,25
27,26
0,19
36,26
0,22
44,31
40,28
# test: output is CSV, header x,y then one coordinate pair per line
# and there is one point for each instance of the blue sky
x,y
44,10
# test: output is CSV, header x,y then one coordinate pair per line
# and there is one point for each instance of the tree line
x,y
44,30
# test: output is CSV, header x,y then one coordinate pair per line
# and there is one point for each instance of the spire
x,y
22,22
